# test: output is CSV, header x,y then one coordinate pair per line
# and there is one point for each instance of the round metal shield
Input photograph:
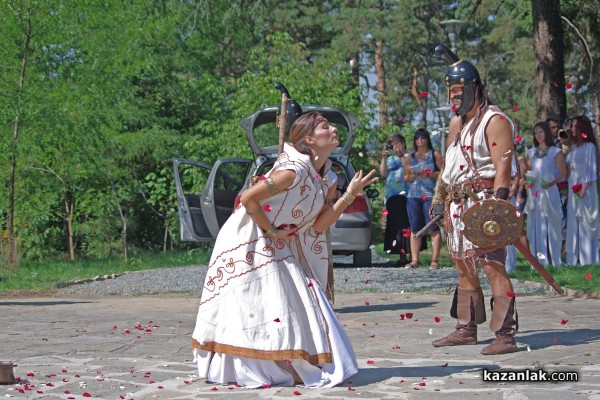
x,y
492,223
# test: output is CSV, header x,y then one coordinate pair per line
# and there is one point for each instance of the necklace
x,y
541,153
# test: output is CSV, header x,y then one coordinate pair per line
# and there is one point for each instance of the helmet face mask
x,y
466,98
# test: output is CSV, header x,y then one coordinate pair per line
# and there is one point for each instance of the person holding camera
x,y
421,172
392,168
545,169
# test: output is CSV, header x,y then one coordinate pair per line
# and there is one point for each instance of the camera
x,y
389,146
563,134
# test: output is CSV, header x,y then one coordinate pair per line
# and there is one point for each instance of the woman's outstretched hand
x,y
359,182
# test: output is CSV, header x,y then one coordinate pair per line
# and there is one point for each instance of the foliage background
x,y
113,90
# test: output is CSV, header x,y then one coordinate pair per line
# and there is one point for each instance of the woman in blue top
x,y
420,171
392,168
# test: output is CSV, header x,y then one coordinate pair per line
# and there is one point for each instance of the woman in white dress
x,y
583,219
545,168
263,317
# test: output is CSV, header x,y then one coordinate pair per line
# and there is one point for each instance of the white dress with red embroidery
x,y
264,318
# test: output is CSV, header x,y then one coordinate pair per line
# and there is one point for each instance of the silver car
x,y
208,195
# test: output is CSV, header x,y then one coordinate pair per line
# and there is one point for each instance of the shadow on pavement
x,y
41,303
367,376
546,338
386,307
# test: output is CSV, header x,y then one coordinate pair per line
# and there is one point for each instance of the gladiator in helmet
x,y
463,73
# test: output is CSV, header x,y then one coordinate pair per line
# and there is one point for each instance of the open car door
x,y
206,196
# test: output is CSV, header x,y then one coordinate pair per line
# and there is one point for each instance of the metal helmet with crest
x,y
460,72
292,109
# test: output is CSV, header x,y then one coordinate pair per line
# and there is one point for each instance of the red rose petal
x,y
455,216
453,109
86,394
403,118
510,294
427,171
214,388
267,208
424,197
310,284
569,85
424,94
577,187
437,319
494,144
588,276
461,167
515,108
555,84
503,117
402,317
297,393
564,321
406,232
535,194
351,388
584,135
518,138
385,212
370,362
409,315
366,302
276,320
402,251
30,374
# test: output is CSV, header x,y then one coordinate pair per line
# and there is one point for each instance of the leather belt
x,y
468,189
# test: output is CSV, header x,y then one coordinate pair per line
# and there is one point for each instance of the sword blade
x,y
429,227
538,266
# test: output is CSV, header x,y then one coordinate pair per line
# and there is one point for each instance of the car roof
x,y
268,115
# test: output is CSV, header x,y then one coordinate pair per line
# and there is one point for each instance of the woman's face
x,y
398,146
325,135
574,132
421,140
539,135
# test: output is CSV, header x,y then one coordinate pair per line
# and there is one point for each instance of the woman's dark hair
x,y
543,125
585,132
422,132
398,137
303,126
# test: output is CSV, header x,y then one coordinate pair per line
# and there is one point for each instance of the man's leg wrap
x,y
468,305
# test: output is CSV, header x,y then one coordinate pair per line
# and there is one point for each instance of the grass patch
x,y
43,275
572,277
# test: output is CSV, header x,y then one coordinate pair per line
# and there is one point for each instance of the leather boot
x,y
503,310
463,335
468,308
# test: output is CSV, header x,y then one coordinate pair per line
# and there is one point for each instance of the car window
x,y
231,176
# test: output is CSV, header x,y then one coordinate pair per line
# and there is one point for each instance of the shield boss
x,y
492,223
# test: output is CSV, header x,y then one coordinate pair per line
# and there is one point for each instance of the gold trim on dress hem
x,y
270,355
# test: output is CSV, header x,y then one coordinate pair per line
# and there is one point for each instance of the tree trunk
x,y
381,86
10,218
549,59
69,207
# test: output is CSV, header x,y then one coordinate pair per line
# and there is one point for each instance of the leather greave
x,y
468,306
504,319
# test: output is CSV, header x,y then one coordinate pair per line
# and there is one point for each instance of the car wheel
x,y
362,258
